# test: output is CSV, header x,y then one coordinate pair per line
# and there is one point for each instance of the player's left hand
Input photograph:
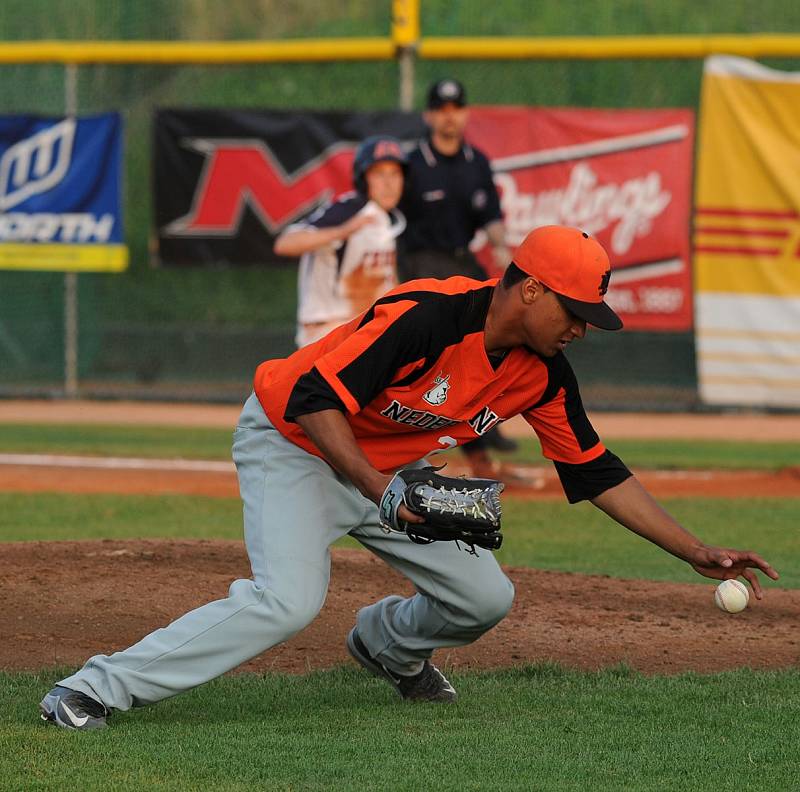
x,y
723,563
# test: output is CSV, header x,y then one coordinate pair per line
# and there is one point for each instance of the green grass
x,y
539,534
107,440
537,728
580,538
684,453
56,516
212,443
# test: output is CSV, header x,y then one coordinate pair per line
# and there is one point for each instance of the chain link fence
x,y
199,334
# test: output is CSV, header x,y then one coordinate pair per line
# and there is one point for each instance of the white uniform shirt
x,y
338,281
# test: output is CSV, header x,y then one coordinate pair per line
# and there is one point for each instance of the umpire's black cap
x,y
446,91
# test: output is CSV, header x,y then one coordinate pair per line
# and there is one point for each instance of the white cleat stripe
x,y
76,721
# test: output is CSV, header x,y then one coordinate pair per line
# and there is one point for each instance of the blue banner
x,y
60,205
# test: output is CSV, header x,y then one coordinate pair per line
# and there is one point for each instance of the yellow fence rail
x,y
197,52
387,48
609,47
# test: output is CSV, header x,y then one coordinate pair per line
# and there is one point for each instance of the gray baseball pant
x,y
295,507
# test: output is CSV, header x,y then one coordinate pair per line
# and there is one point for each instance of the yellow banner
x,y
747,235
747,222
63,257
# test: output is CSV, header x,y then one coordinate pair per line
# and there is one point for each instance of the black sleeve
x,y
390,338
337,213
311,394
409,338
590,479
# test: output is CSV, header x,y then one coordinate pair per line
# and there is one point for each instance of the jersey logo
x,y
421,419
438,393
484,420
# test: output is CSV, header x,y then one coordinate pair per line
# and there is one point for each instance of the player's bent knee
x,y
290,612
494,602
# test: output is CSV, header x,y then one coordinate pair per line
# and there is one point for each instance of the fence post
x,y
71,278
405,34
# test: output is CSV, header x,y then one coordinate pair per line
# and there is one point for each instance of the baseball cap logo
x,y
387,149
604,281
448,90
444,91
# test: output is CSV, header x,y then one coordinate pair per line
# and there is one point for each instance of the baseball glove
x,y
455,509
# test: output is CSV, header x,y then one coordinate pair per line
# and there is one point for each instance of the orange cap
x,y
574,266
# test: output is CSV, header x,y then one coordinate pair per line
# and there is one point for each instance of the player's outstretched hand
x,y
723,563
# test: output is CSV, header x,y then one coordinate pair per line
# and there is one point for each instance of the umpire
x,y
450,195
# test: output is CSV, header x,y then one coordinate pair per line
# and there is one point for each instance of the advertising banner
x,y
624,176
60,206
747,235
227,182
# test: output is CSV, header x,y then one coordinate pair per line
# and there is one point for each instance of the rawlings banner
x,y
227,182
623,175
60,206
747,227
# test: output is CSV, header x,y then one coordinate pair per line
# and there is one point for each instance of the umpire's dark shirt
x,y
448,198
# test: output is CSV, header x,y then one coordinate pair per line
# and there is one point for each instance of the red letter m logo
x,y
240,173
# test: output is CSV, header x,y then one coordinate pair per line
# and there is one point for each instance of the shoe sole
x,y
46,715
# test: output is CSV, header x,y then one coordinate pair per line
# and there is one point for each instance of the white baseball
x,y
731,596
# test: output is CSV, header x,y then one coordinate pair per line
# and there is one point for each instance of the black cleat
x,y
429,684
70,709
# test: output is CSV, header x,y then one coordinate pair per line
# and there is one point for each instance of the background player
x,y
315,448
348,249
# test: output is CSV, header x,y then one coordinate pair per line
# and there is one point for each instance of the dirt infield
x,y
112,593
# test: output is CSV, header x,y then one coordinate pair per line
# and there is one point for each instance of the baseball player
x,y
430,365
348,249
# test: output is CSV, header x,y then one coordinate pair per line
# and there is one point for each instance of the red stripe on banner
x,y
730,231
773,213
739,251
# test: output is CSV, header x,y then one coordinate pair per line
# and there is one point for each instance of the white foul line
x,y
117,463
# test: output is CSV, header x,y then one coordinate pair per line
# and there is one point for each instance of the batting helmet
x,y
379,148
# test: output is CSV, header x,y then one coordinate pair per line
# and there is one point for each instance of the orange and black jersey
x,y
413,377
